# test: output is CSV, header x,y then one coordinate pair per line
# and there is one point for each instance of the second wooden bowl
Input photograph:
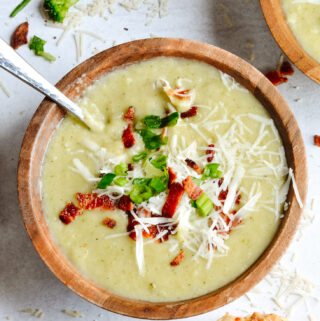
x,y
47,118
275,18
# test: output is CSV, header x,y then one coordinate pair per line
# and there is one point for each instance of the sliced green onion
x,y
197,181
159,184
144,181
211,170
204,205
139,157
152,121
121,169
120,181
19,7
151,140
170,121
160,162
140,193
106,180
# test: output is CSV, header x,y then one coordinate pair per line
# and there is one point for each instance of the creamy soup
x,y
211,142
303,17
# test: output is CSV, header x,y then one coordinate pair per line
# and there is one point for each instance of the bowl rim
x,y
48,116
275,18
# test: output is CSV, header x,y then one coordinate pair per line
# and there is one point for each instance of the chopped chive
x,y
140,193
152,140
120,181
160,162
211,170
152,121
170,121
106,180
159,184
18,8
144,181
204,205
139,157
121,169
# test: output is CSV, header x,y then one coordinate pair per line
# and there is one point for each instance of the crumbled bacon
x,y
19,37
130,167
286,69
172,176
127,137
130,227
238,199
210,153
89,201
276,78
317,140
194,166
175,193
125,203
191,188
189,113
153,231
69,213
178,259
129,115
109,222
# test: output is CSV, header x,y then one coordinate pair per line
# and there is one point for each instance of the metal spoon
x,y
15,64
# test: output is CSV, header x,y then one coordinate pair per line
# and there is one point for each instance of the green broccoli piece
x,y
57,9
36,44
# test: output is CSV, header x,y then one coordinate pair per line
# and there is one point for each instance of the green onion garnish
x,y
159,184
121,169
160,162
120,181
139,157
106,180
19,7
204,205
170,121
151,140
140,193
152,121
197,181
211,170
144,181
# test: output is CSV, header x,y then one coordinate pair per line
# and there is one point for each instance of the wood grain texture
x,y
47,118
275,18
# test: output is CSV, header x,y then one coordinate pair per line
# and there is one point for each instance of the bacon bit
x,y
238,199
130,227
129,115
194,166
223,195
286,69
19,37
172,176
276,78
153,231
127,137
125,203
317,140
130,167
109,222
178,259
69,213
191,188
175,193
190,113
211,153
92,201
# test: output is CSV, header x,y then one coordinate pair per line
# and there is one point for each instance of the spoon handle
x,y
15,64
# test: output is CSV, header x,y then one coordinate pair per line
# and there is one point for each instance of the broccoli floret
x,y
36,44
57,9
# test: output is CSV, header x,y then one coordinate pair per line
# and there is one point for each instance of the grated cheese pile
x,y
239,159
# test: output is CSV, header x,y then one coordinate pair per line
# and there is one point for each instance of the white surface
x,y
25,281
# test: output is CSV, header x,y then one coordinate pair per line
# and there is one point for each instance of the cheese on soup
x,y
179,194
303,17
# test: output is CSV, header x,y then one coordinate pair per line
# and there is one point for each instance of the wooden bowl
x,y
46,120
282,33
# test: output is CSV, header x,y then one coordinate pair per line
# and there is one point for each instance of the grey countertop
x,y
25,281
